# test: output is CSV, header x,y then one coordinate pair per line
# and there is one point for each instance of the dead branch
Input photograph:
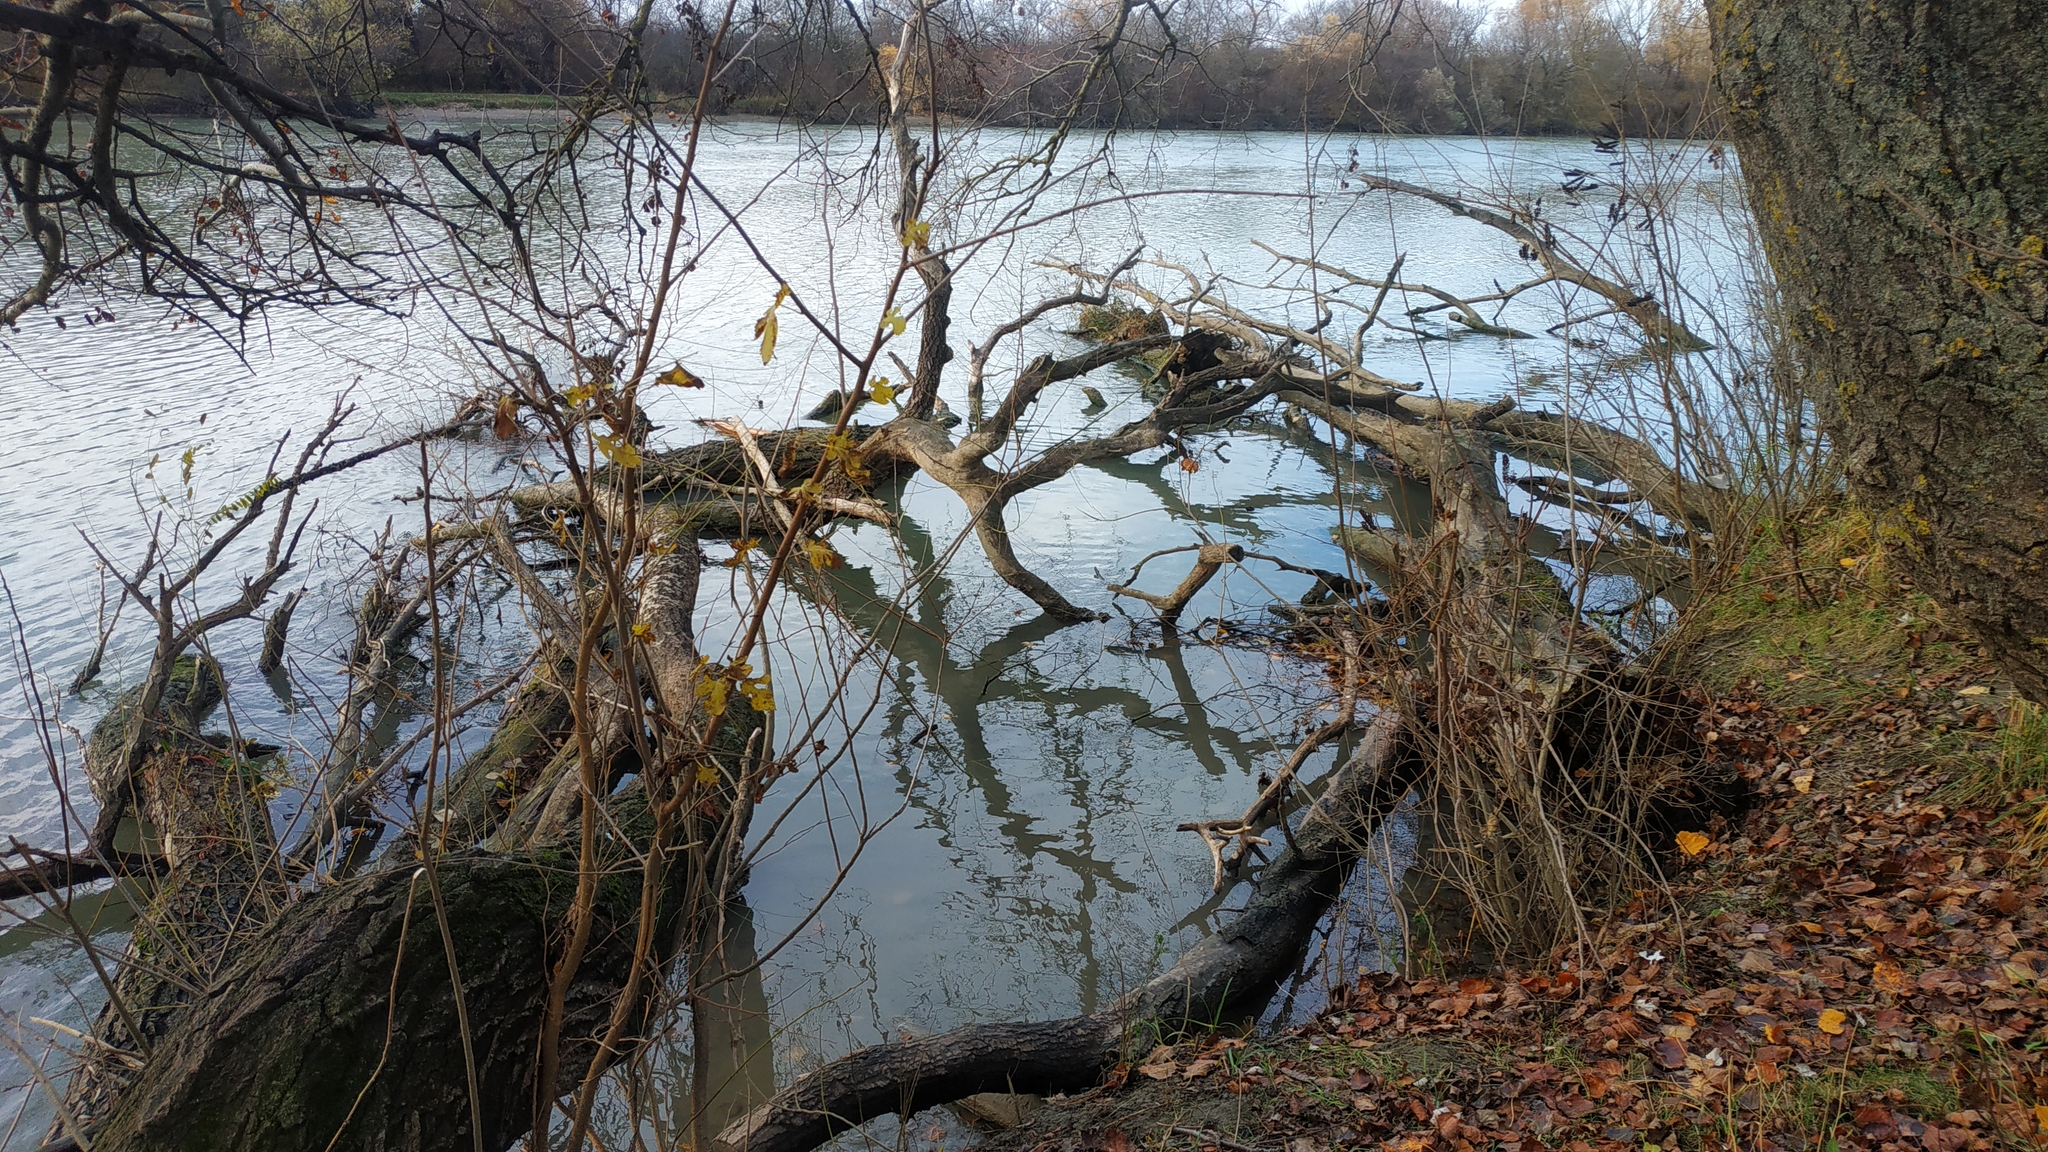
x,y
1217,834
1462,308
1209,560
1540,242
274,630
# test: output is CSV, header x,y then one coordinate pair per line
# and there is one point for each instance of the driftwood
x,y
1224,976
1209,560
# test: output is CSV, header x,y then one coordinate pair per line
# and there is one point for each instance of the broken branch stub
x,y
1209,560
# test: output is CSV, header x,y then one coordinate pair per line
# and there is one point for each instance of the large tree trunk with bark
x,y
340,1029
1897,162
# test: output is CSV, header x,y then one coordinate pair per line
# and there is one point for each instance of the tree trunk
x,y
338,1028
1897,163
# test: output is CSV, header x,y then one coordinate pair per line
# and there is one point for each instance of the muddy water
x,y
1019,783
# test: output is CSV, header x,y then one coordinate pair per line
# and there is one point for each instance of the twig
x,y
1217,833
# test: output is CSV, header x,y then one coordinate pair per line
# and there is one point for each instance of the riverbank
x,y
1851,964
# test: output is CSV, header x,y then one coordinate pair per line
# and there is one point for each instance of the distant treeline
x,y
1542,66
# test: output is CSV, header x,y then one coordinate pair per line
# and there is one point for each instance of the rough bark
x,y
338,1029
1897,163
199,797
1228,973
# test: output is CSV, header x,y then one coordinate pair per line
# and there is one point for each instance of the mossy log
x,y
338,1028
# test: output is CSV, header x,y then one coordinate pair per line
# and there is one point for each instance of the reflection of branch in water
x,y
732,1034
1003,672
1197,731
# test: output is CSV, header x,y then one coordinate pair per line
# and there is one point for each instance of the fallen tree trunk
x,y
339,1028
1225,975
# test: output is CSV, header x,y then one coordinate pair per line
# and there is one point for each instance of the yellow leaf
x,y
707,774
2041,1116
841,449
917,234
618,450
740,550
821,555
680,377
1850,561
1889,977
881,390
765,329
711,690
1692,843
894,322
581,393
642,630
1834,1021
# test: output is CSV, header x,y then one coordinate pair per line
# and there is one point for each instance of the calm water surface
x,y
1030,778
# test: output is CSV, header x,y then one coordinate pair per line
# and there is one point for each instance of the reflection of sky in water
x,y
1039,772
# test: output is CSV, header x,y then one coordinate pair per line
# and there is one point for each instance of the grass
x,y
1822,619
1119,320
1815,1106
1819,610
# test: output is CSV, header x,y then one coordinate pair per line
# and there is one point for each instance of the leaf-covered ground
x,y
1854,963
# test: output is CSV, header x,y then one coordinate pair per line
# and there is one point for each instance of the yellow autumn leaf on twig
x,y
917,234
618,450
894,322
765,328
880,390
679,377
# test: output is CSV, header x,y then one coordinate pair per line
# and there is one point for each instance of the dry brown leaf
x,y
1159,1071
505,420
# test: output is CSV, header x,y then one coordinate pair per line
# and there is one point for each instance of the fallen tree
x,y
551,900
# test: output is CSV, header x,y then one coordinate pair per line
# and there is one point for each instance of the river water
x,y
1024,781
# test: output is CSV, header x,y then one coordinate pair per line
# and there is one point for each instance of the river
x,y
1039,773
